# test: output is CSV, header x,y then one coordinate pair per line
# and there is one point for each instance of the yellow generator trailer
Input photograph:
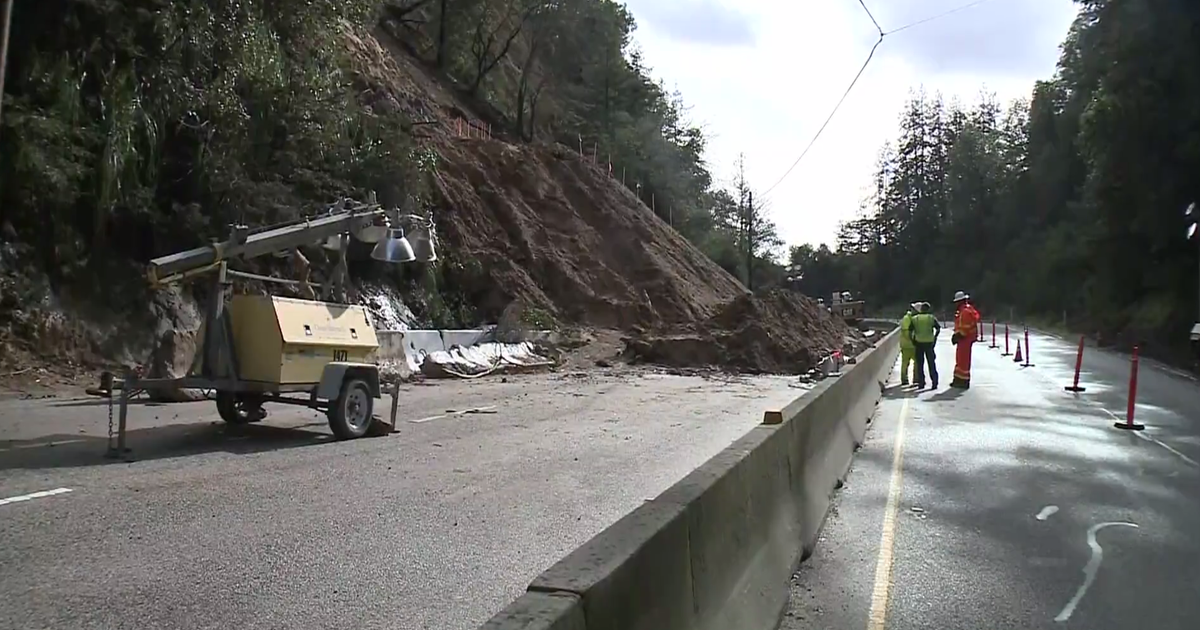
x,y
257,348
284,345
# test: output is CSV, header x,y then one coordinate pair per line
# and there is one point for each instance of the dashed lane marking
x,y
877,619
1046,512
40,445
473,410
34,495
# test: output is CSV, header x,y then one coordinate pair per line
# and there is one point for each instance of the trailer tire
x,y
239,408
352,413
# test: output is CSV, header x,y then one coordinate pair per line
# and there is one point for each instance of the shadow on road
x,y
947,394
979,499
896,391
176,440
98,402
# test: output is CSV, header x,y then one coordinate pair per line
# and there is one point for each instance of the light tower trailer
x,y
260,349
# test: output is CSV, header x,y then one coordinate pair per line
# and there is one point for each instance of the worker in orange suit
x,y
966,333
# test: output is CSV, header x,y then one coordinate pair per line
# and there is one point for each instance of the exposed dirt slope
x,y
543,226
779,332
559,234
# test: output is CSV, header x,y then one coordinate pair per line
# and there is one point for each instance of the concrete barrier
x,y
716,550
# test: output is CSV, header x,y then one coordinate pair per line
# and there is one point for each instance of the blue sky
x,y
762,75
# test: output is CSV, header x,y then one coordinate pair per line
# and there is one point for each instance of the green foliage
x,y
144,125
1069,202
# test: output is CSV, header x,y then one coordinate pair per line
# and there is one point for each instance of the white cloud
x,y
767,95
698,21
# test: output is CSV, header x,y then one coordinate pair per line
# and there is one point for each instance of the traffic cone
x,y
1018,358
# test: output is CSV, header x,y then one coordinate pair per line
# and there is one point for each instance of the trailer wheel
x,y
351,414
240,408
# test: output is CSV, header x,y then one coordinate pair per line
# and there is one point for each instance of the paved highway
x,y
1017,505
277,526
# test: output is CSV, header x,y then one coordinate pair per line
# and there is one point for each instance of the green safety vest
x,y
924,327
905,326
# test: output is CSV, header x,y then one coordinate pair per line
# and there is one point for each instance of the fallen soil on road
x,y
779,332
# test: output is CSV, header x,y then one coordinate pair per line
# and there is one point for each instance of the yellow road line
x,y
883,566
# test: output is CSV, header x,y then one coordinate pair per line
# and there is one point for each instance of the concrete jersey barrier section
x,y
716,550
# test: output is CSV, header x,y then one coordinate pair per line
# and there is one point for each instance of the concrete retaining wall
x,y
716,550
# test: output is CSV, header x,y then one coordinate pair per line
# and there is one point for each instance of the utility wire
x,y
870,55
937,16
873,20
828,118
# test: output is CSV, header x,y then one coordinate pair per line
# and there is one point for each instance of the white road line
x,y
40,445
1089,570
487,409
1174,452
1046,512
34,495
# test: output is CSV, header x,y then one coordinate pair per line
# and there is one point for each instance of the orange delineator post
x,y
1074,386
993,346
1028,354
1006,351
1129,424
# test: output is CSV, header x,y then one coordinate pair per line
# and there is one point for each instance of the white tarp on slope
x,y
439,353
481,359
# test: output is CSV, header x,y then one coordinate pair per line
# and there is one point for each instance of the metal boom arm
x,y
166,269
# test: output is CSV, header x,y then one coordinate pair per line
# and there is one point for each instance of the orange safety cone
x,y
1018,358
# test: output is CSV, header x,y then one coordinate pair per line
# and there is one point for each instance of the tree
x,y
1039,205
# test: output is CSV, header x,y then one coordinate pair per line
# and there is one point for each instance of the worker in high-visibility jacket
x,y
908,349
924,333
966,333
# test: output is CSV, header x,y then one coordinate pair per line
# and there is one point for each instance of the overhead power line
x,y
938,16
879,28
861,70
803,153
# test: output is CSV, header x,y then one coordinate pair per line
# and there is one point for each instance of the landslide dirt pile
x,y
779,332
545,228
542,226
552,231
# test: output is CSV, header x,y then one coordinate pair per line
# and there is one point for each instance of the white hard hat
x,y
960,296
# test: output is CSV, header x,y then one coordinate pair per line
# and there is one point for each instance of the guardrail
x,y
716,550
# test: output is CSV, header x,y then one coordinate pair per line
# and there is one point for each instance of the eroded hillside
x,y
545,226
523,219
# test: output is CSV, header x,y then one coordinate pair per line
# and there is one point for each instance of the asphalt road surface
x,y
488,483
1017,504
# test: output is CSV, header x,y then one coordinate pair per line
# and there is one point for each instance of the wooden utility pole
x,y
750,242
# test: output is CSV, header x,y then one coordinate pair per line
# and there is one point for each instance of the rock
x,y
172,357
508,329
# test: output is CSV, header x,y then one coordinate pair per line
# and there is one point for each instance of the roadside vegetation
x,y
1067,205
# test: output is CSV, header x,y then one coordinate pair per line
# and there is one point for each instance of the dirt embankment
x,y
779,332
555,232
542,226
